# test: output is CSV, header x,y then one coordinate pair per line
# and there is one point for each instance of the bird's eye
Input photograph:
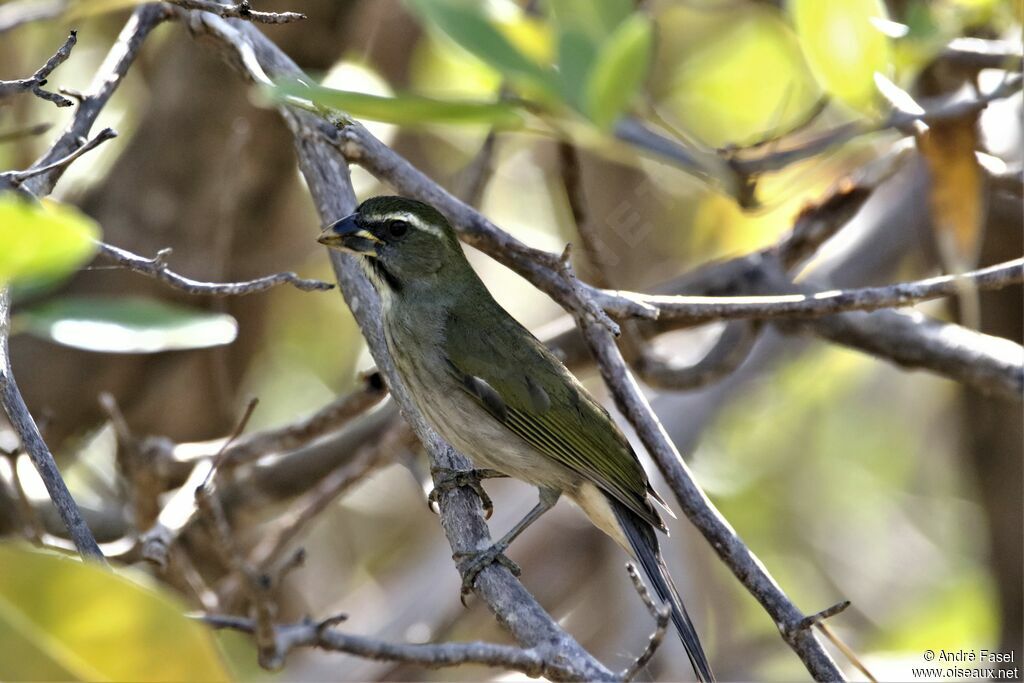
x,y
397,229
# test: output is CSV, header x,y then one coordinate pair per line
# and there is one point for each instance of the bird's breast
x,y
418,352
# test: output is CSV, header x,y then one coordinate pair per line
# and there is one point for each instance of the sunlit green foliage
x,y
61,619
845,46
42,241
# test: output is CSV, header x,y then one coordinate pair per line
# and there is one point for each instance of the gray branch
x,y
33,444
239,10
703,309
156,267
750,571
36,81
322,635
119,59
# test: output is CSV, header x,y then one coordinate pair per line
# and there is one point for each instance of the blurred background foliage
x,y
848,477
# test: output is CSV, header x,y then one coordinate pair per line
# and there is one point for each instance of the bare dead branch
x,y
701,309
157,267
729,351
239,10
661,613
750,571
120,57
19,177
993,365
33,444
36,81
322,635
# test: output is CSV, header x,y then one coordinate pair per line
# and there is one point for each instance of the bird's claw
x,y
447,479
470,565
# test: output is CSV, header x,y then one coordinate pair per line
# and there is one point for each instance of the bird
x,y
498,395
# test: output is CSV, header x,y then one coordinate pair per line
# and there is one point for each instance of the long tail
x,y
642,538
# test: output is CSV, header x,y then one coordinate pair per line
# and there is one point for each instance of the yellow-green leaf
x,y
405,109
465,23
844,47
44,240
61,619
619,70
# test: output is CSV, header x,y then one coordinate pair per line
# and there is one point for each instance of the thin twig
x,y
33,444
661,613
18,177
321,635
702,309
109,76
157,267
36,81
239,10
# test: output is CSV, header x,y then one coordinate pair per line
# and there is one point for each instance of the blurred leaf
x,y
465,24
42,241
744,78
619,70
576,53
406,109
596,19
61,619
955,195
844,47
126,325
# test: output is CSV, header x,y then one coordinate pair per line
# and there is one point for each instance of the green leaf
x,y
465,24
125,325
61,619
620,70
42,241
596,19
844,47
576,54
405,109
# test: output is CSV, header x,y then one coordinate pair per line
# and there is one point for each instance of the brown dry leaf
x,y
955,197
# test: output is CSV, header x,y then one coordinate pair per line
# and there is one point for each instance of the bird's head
x,y
402,240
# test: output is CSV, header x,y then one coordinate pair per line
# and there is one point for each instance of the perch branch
x,y
322,635
326,173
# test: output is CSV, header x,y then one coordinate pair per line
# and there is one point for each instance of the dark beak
x,y
347,235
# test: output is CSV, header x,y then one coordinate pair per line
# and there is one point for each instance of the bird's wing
x,y
523,386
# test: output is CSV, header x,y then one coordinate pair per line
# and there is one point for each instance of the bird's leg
x,y
472,563
446,479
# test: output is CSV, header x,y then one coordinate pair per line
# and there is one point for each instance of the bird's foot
x,y
470,564
446,479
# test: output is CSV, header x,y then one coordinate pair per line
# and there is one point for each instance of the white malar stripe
x,y
412,219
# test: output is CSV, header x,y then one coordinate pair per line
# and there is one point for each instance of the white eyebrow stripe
x,y
411,218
